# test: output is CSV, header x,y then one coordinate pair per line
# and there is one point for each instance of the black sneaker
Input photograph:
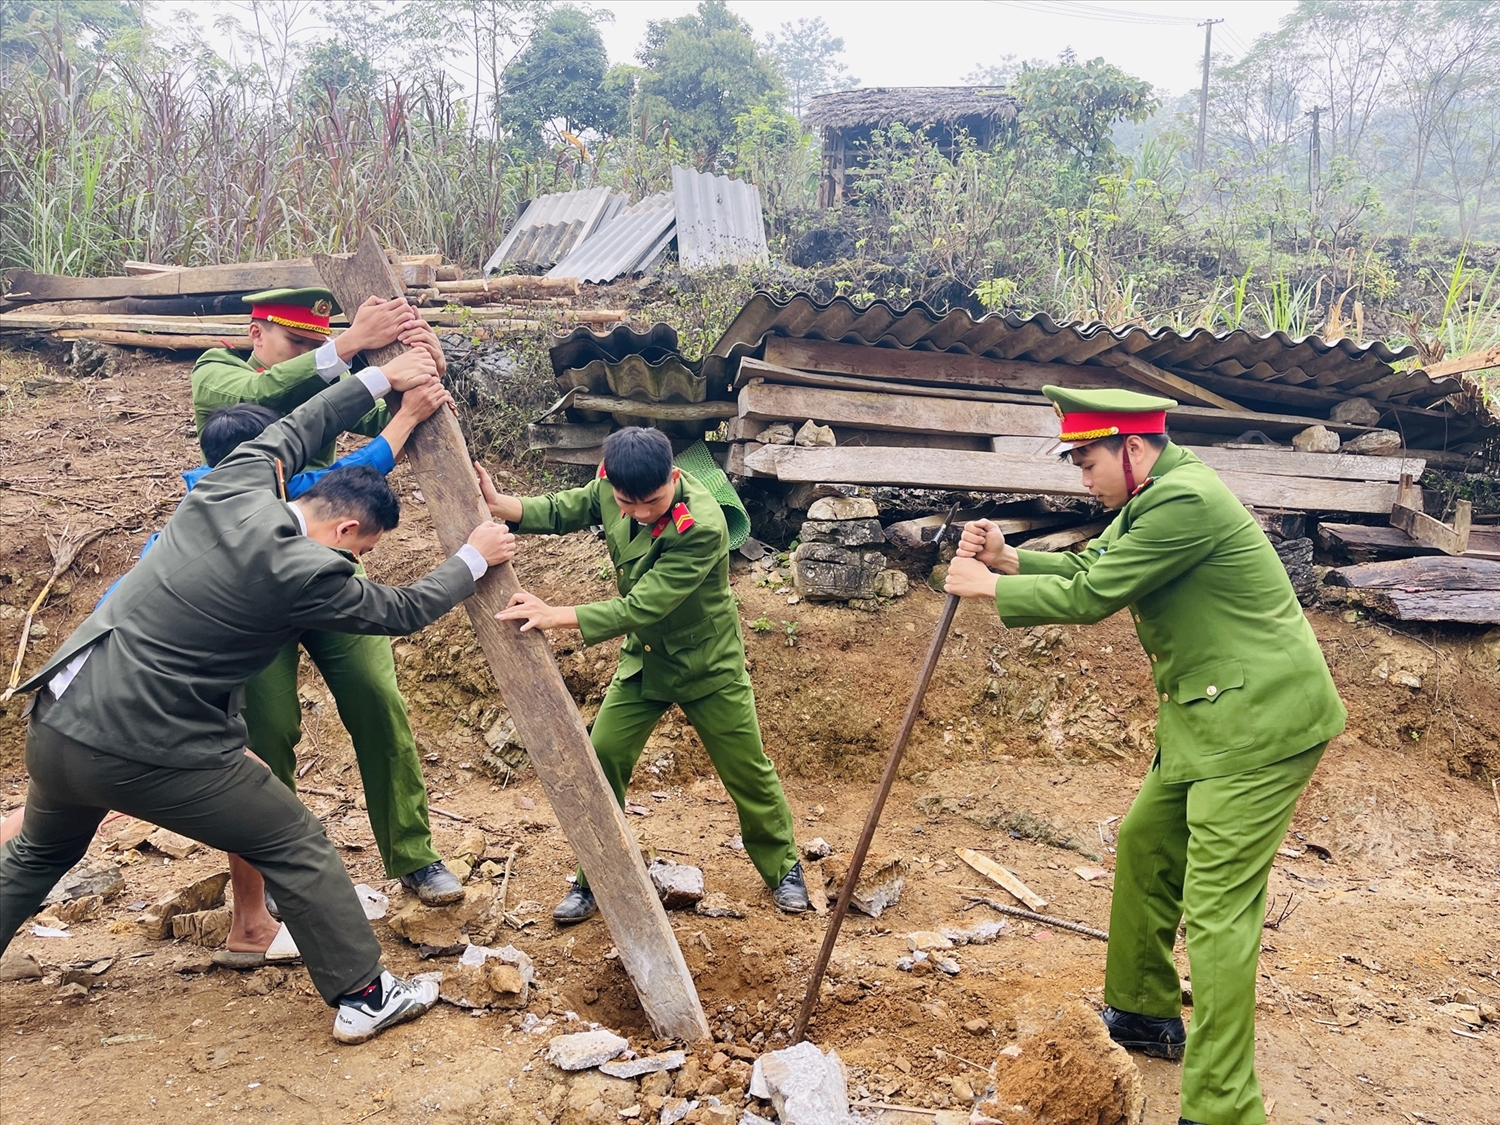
x,y
578,905
435,884
385,1002
1159,1038
791,893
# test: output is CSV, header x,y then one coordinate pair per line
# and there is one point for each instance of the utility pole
x,y
1208,43
1315,158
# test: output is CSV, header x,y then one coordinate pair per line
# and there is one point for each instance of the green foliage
x,y
31,30
807,57
703,71
772,152
330,70
1076,106
762,624
561,73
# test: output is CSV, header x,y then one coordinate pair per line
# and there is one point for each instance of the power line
x,y
1098,12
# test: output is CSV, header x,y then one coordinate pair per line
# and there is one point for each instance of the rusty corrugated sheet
x,y
551,225
719,221
626,244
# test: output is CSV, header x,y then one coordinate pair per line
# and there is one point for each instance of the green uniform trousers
x,y
361,673
1203,850
237,808
725,721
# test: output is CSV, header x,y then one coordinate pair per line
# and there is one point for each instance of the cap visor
x,y
1059,447
308,333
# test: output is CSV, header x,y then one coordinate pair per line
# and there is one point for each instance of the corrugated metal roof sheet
x,y
625,244
719,221
553,224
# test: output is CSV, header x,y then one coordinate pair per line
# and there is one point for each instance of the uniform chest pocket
x,y
690,636
1211,681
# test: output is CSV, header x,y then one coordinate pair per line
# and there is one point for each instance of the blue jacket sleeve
x,y
376,454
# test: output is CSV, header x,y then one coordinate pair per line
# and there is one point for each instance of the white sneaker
x,y
361,1020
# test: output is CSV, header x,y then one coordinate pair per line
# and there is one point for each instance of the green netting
x,y
698,461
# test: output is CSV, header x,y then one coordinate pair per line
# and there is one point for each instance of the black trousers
x,y
240,808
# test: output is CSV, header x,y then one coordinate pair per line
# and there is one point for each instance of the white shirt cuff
x,y
470,554
375,381
330,364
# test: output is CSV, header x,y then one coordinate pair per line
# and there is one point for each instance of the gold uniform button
x,y
1153,658
648,648
1163,697
1211,691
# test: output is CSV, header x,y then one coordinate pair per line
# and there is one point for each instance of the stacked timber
x,y
192,309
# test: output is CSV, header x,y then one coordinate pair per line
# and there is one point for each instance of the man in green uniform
x,y
294,357
1247,706
668,541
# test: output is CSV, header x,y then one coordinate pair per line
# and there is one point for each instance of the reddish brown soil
x,y
1028,746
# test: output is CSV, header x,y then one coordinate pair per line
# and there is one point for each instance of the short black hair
x,y
1115,442
637,461
357,492
230,426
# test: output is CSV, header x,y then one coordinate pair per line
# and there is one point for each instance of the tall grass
x,y
172,164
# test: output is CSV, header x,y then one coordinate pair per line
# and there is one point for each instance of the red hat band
x,y
1093,425
293,316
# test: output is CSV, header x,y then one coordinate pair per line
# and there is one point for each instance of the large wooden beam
x,y
1458,365
1362,543
1164,382
1432,572
1472,607
931,367
1001,472
1407,514
769,402
545,716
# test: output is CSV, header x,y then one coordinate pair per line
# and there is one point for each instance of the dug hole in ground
x,y
1378,988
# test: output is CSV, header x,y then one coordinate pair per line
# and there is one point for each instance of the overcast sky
x,y
937,42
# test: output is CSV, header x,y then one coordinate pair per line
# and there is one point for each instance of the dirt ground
x,y
1030,747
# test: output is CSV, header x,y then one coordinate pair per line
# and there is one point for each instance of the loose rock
x,y
1316,439
489,978
806,1086
1355,412
584,1049
647,1064
881,880
843,508
812,435
890,583
778,433
1376,443
207,928
678,884
927,940
102,879
442,927
717,904
16,965
170,843
817,848
205,894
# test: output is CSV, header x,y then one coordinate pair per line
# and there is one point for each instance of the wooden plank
x,y
545,715
931,367
1361,542
997,874
1323,466
145,269
937,468
159,341
752,368
1440,572
512,285
1474,607
178,325
1458,365
1407,514
661,411
242,277
769,402
568,435
1164,382
1067,538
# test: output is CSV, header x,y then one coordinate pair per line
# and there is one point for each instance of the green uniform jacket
x,y
231,580
675,609
1240,679
221,378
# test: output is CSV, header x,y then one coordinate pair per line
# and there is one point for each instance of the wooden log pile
x,y
193,309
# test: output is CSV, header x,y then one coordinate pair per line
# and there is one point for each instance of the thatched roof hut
x,y
848,117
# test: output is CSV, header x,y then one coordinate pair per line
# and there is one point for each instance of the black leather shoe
x,y
1160,1038
434,884
271,908
578,905
791,893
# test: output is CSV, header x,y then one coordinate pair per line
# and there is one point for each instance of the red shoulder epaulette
x,y
1145,484
682,518
601,471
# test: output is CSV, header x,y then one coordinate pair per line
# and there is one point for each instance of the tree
x,y
330,69
808,58
84,27
1075,106
560,74
702,71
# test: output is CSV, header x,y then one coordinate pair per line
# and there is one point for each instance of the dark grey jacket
x,y
230,581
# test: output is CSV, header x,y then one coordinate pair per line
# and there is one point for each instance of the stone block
x,y
843,508
891,583
806,1086
881,879
1316,439
206,928
205,894
442,927
584,1049
843,533
1373,443
1356,412
823,572
810,435
678,884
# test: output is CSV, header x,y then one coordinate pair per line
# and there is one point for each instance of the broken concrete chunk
x,y
678,884
927,940
778,433
584,1049
812,435
170,843
719,905
843,533
1373,443
102,879
843,508
806,1086
441,926
647,1064
1316,439
880,881
205,894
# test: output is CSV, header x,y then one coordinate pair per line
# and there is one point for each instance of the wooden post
x,y
1407,514
544,713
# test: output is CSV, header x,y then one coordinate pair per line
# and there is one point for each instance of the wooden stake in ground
x,y
64,549
872,819
544,713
